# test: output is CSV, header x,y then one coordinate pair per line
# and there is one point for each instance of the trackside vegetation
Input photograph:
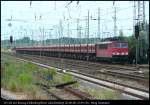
x,y
102,94
19,76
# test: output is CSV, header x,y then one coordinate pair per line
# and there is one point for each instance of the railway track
x,y
105,65
95,68
142,94
74,94
67,93
96,64
86,66
88,70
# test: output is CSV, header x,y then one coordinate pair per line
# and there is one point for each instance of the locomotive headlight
x,y
117,53
126,53
122,53
113,53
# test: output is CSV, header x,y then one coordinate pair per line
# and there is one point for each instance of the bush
x,y
45,72
67,78
24,79
53,72
29,66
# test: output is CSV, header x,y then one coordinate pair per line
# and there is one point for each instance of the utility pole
x,y
61,33
43,37
134,16
115,19
145,33
32,38
55,5
85,34
68,35
137,52
141,22
135,21
88,37
139,17
80,28
59,38
98,28
40,43
21,45
49,38
77,27
98,24
18,39
60,47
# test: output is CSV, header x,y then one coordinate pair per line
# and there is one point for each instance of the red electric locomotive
x,y
112,51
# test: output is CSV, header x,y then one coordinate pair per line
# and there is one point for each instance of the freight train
x,y
113,51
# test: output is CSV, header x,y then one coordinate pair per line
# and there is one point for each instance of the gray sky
x,y
25,23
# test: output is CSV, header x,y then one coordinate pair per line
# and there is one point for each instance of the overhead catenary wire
x,y
45,16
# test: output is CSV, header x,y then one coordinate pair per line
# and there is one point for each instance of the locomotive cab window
x,y
103,46
124,45
117,45
120,45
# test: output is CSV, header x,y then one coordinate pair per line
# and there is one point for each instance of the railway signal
x,y
136,31
11,39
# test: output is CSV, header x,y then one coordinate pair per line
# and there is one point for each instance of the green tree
x,y
26,39
121,35
131,48
143,42
121,32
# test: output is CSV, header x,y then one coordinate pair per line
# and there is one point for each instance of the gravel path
x,y
12,96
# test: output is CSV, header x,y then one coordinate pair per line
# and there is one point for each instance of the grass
x,y
56,78
102,94
19,76
15,76
67,78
